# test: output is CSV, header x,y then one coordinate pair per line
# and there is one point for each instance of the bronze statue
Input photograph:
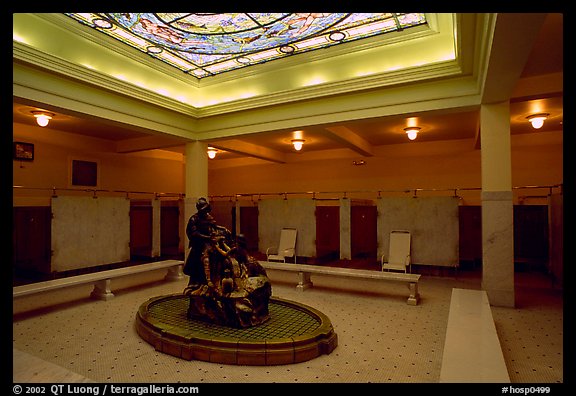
x,y
226,286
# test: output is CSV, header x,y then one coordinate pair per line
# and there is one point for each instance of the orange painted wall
x,y
537,159
53,151
437,165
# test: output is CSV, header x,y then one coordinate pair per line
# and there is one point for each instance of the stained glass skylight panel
x,y
208,44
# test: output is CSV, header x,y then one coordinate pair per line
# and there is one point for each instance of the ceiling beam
x,y
250,149
146,143
477,136
351,140
512,41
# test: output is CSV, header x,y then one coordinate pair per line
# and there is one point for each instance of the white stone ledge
x,y
100,279
472,351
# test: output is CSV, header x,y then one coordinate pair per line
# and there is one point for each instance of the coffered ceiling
x,y
348,101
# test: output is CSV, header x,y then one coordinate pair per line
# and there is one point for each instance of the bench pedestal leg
x,y
414,296
174,273
304,281
102,290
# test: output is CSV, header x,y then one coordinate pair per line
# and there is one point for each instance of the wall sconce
x,y
212,152
537,120
42,117
412,132
298,143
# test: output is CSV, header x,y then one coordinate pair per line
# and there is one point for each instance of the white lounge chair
x,y
398,253
286,247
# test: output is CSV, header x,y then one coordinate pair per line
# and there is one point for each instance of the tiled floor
x,y
380,338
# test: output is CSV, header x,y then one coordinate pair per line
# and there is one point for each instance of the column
x,y
497,205
196,180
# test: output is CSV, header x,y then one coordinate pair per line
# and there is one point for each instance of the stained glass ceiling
x,y
208,44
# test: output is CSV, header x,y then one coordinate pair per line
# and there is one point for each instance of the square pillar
x,y
196,180
497,205
498,247
196,170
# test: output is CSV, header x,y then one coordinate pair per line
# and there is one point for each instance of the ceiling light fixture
x,y
152,49
298,143
212,152
537,120
336,36
102,23
412,132
42,117
287,49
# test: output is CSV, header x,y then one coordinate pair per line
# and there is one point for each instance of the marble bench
x,y
101,280
472,351
29,368
305,270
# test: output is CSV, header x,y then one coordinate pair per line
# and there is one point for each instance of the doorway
x,y
249,226
31,240
140,229
531,243
327,233
363,232
169,230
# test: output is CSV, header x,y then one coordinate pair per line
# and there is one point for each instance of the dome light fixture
x,y
212,152
412,132
298,143
102,23
42,117
537,120
287,49
337,36
152,49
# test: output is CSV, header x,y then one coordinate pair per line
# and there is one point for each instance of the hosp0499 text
x,y
103,389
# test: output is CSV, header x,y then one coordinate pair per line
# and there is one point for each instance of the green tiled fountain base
x,y
294,333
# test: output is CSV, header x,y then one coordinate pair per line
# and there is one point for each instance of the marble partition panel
x,y
345,233
498,247
156,226
275,214
222,213
87,231
433,225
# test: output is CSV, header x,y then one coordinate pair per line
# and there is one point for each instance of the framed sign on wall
x,y
23,151
84,173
